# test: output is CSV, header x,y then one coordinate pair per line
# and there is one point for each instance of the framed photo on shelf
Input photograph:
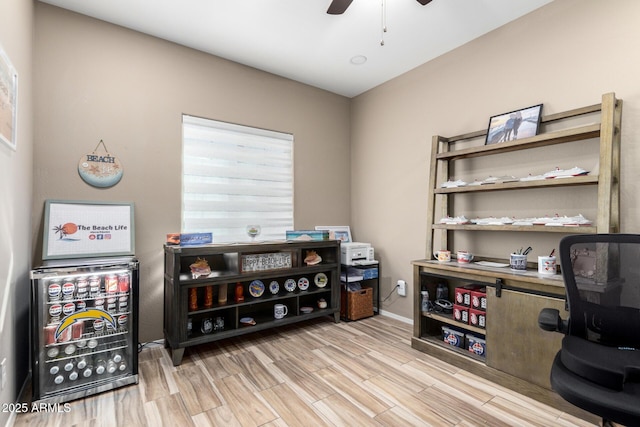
x,y
514,125
337,232
8,101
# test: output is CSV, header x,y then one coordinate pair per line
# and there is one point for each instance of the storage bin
x,y
476,345
356,305
452,337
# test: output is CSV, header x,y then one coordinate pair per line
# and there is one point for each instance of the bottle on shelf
x,y
101,366
122,366
208,296
222,293
116,357
82,362
88,371
193,299
59,379
239,292
73,375
69,365
111,366
54,368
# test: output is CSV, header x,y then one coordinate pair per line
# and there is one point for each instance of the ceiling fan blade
x,y
337,7
424,2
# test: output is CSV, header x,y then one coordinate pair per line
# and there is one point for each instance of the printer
x,y
356,253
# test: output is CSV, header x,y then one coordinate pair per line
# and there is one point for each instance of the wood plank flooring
x,y
318,373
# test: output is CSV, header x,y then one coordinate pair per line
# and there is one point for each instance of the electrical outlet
x,y
3,373
402,288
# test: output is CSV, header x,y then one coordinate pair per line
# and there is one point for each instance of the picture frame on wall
x,y
337,232
8,101
514,125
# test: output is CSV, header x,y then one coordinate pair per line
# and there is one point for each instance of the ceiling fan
x,y
338,7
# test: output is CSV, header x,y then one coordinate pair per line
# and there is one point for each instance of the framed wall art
x,y
8,101
81,229
514,125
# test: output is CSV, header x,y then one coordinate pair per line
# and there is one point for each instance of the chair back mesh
x,y
602,278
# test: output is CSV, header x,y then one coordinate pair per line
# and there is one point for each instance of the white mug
x,y
279,311
464,257
547,265
442,256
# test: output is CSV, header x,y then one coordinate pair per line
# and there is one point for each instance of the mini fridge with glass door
x,y
84,334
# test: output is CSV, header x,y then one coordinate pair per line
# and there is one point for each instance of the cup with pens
x,y
547,264
518,259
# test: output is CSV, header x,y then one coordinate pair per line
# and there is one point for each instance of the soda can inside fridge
x,y
84,333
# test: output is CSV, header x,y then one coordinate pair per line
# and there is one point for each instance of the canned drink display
x,y
99,303
68,309
98,325
54,290
77,329
82,287
68,289
70,349
50,334
54,313
94,286
112,306
111,284
123,304
81,305
123,282
65,335
122,322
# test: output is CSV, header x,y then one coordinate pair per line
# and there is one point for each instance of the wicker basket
x,y
356,305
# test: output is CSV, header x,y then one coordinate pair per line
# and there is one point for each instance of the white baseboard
x,y
396,317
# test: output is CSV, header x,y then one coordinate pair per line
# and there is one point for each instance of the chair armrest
x,y
549,320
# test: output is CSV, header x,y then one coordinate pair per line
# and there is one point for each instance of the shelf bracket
x,y
499,285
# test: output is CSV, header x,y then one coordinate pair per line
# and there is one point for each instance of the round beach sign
x,y
100,169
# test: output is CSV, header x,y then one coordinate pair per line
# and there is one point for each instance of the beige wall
x,y
564,55
98,81
16,28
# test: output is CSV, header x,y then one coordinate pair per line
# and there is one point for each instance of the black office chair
x,y
598,366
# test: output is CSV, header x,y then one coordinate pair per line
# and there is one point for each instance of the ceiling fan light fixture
x,y
358,60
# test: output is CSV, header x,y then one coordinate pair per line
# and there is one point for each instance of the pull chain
x,y
384,21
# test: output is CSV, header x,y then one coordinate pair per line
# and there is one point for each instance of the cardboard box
x,y
476,345
462,294
461,314
453,337
479,299
477,318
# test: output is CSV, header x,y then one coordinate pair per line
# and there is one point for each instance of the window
x,y
234,177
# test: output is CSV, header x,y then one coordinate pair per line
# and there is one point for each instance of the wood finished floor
x,y
319,373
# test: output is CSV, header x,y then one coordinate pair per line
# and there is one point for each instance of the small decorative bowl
x,y
322,303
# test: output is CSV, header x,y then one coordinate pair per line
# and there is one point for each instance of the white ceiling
x,y
297,39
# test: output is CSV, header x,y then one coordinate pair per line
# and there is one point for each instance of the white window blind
x,y
233,177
